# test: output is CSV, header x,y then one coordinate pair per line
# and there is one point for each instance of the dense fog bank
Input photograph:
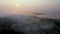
x,y
27,24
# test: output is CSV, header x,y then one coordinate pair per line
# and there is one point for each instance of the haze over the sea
x,y
51,8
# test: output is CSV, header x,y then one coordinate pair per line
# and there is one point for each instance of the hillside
x,y
29,25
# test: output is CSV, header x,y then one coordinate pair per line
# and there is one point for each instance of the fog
x,y
51,8
30,16
27,24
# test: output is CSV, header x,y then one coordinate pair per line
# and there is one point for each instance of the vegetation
x,y
56,28
5,26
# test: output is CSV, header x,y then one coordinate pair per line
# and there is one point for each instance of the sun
x,y
17,5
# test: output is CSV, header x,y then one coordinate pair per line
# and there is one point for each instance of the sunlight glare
x,y
17,5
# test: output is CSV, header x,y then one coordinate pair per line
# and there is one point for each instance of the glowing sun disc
x,y
17,5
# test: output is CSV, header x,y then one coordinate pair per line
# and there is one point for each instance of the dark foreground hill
x,y
29,25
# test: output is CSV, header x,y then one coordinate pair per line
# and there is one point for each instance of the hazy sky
x,y
28,2
29,6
